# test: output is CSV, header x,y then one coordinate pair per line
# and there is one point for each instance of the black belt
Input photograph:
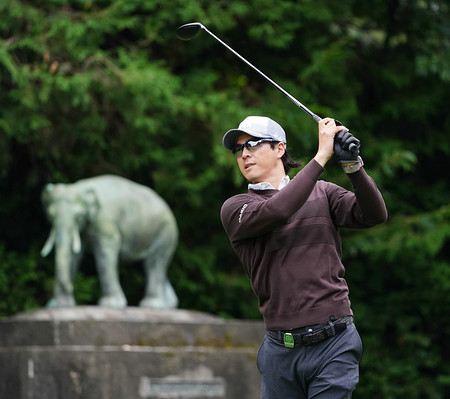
x,y
313,335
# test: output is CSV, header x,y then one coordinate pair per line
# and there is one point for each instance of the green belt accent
x,y
288,340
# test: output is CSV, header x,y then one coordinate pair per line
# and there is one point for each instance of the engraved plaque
x,y
199,383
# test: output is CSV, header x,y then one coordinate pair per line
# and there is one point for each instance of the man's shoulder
x,y
243,197
239,200
324,185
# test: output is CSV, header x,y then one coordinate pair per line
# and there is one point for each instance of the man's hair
x,y
287,160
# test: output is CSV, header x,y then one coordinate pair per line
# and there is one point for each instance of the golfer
x,y
285,233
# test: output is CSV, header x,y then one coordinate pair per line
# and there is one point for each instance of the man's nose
x,y
246,153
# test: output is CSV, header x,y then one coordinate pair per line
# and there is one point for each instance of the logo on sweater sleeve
x,y
242,211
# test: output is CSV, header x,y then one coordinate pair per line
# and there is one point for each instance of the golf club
x,y
188,31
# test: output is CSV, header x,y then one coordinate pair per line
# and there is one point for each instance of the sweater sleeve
x,y
364,207
249,215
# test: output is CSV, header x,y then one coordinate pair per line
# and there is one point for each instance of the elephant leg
x,y
62,295
159,293
106,253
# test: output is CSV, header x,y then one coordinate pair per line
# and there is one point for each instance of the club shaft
x,y
188,31
293,99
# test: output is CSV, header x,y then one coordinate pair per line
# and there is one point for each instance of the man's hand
x,y
327,131
346,147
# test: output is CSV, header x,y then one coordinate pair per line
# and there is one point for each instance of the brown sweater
x,y
289,245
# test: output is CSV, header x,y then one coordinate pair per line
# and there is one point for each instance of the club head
x,y
188,31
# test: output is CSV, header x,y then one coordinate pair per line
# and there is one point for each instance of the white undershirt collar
x,y
267,186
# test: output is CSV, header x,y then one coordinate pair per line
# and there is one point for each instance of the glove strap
x,y
352,167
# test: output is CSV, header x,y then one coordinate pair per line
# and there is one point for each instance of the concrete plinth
x,y
131,353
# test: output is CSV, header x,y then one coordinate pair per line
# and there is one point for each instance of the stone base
x,y
131,353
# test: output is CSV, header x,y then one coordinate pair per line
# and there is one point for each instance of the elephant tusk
x,y
48,244
76,243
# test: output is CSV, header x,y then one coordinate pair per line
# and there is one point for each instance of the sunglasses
x,y
251,145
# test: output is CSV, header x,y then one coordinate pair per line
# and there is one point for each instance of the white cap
x,y
259,127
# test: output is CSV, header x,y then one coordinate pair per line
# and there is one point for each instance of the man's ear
x,y
281,148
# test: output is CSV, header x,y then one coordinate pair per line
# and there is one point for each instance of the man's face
x,y
260,164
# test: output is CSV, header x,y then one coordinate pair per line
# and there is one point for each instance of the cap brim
x,y
230,137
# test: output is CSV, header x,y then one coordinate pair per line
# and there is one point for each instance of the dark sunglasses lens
x,y
237,149
250,145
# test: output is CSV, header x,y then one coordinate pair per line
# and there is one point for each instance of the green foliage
x,y
104,86
22,279
402,308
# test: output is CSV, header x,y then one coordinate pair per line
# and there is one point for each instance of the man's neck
x,y
274,177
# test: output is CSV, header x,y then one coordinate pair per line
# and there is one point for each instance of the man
x,y
285,233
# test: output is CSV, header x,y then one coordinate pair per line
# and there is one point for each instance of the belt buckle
x,y
288,340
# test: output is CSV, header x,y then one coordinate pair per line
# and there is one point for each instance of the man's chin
x,y
249,178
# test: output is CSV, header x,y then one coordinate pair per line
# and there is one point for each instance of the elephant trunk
x,y
50,243
66,243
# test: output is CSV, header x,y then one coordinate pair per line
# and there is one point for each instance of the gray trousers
x,y
327,370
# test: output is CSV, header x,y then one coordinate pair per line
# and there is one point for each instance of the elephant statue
x,y
116,219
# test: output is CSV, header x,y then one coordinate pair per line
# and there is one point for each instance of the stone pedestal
x,y
132,353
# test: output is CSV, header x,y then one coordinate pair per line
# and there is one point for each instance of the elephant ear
x,y
91,203
46,195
